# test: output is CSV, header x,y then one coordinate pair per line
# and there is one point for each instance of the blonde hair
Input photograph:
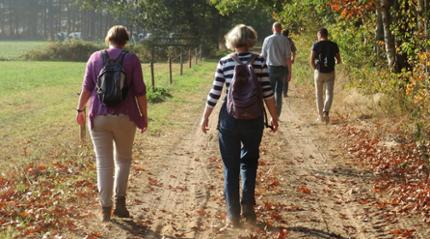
x,y
117,35
240,36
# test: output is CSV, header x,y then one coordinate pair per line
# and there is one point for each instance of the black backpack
x,y
325,58
111,81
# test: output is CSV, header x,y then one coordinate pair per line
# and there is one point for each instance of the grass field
x,y
12,50
37,102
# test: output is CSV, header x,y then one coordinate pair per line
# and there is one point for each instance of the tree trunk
x,y
390,45
379,31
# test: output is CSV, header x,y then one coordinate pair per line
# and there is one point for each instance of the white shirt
x,y
276,50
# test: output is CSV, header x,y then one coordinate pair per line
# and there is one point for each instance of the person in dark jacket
x,y
324,56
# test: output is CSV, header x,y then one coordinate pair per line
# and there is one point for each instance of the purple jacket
x,y
135,83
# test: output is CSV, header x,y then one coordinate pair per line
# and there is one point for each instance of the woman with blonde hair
x,y
239,138
113,120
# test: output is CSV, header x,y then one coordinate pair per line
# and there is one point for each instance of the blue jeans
x,y
277,75
239,142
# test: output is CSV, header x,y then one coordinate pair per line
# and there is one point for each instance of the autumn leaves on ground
x,y
343,180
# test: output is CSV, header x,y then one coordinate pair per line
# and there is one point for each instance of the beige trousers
x,y
112,137
324,81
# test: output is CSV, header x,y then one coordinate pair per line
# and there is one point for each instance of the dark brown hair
x,y
323,32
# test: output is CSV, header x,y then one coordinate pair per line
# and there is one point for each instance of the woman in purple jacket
x,y
113,127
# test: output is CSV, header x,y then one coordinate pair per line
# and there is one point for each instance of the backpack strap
x,y
251,60
121,57
266,120
235,57
105,57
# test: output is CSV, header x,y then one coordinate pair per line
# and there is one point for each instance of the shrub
x,y
72,50
158,95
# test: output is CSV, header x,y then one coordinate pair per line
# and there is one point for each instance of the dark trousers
x,y
239,142
277,75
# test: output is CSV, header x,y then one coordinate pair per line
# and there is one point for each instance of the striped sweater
x,y
224,75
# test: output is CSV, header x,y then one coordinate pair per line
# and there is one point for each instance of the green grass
x,y
37,102
302,72
13,50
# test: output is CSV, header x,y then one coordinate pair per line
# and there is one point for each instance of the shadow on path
x,y
141,231
317,233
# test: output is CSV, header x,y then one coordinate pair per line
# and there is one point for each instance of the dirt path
x,y
307,186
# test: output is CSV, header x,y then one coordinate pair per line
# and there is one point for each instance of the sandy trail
x,y
306,185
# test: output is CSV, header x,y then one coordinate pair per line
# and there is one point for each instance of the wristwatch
x,y
80,110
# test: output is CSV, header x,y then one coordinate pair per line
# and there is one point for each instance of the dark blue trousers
x,y
239,142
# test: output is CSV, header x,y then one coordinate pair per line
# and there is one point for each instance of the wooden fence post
x,y
152,70
181,60
152,76
170,70
190,57
200,53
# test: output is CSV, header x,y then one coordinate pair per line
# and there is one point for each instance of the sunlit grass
x,y
11,50
38,100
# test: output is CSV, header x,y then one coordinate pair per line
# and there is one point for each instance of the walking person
x,y
277,52
286,33
240,130
113,84
324,56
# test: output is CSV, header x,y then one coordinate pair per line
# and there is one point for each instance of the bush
x,y
142,50
353,42
72,50
158,95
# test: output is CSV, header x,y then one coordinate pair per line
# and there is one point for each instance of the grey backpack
x,y
245,96
111,82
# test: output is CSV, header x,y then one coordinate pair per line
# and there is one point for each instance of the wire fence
x,y
185,58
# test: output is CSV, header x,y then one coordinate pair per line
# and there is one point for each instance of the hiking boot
x,y
120,208
248,214
106,214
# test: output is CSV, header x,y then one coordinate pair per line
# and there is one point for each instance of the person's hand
x,y
145,124
80,118
274,124
204,124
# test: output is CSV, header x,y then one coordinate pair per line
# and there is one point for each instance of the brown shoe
x,y
106,214
120,208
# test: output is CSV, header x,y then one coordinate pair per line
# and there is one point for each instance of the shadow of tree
x,y
349,172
